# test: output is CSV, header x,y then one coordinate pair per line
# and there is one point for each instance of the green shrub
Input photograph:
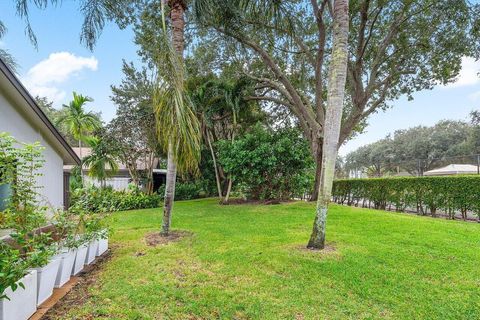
x,y
12,267
185,190
93,199
268,165
423,194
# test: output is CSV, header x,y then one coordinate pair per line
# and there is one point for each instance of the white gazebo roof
x,y
452,169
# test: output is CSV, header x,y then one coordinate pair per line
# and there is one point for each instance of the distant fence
x,y
117,183
453,196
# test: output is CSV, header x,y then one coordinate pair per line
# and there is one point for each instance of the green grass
x,y
247,262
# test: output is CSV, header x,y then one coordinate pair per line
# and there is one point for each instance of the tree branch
x,y
301,108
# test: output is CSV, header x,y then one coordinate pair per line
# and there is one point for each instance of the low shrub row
x,y
185,191
94,199
425,195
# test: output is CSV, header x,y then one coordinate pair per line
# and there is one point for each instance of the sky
x,y
62,65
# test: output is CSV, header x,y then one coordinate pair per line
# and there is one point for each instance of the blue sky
x,y
61,64
60,56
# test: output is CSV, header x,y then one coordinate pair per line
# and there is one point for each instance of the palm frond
x,y
79,122
3,29
175,117
97,12
22,10
101,161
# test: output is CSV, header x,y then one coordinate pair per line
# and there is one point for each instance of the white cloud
x,y
469,75
474,96
44,78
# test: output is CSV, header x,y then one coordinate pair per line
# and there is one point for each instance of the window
x,y
7,178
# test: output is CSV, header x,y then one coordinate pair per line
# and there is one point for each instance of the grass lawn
x,y
247,262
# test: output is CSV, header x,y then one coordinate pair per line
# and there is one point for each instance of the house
x,y
453,169
22,118
122,178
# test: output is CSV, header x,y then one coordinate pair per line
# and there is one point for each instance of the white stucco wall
x,y
51,182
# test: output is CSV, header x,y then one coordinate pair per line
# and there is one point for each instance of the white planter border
x,y
92,250
102,246
65,268
79,259
23,302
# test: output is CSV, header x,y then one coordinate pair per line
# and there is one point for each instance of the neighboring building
x,y
22,118
122,178
453,169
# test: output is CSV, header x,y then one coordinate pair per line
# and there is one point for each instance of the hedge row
x,y
424,195
99,200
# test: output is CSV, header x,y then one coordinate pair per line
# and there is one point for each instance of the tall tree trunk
x,y
333,118
215,167
148,167
318,170
81,159
151,160
177,10
229,189
169,191
230,180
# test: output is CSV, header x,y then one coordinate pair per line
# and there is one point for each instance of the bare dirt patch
x,y
329,251
80,293
154,239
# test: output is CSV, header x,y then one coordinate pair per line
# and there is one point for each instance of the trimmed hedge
x,y
426,195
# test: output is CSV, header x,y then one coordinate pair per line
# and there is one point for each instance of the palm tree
x,y
211,103
79,122
178,127
333,118
101,161
222,107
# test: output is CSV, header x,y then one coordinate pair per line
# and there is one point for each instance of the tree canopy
x,y
416,150
396,48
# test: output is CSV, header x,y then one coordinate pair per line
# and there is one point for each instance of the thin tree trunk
x,y
169,191
230,180
150,172
149,158
229,189
318,171
177,10
215,167
333,117
81,159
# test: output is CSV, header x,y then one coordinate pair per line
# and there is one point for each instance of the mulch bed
x,y
79,294
155,238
